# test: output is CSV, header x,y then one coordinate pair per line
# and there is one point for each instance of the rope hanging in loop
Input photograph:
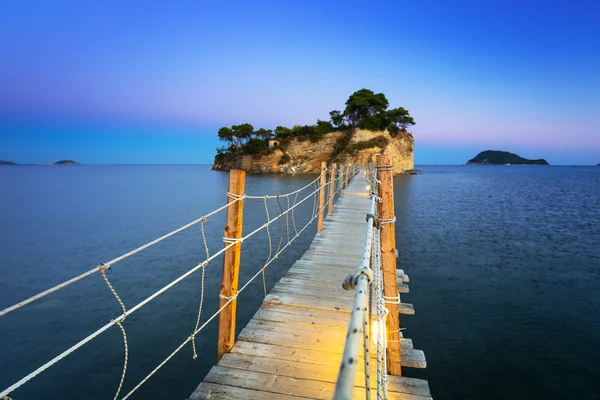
x,y
103,268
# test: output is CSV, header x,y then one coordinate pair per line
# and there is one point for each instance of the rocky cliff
x,y
303,156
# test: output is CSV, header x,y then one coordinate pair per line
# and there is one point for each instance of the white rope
x,y
200,306
286,194
229,299
111,262
121,318
392,299
287,221
386,221
103,268
235,196
228,240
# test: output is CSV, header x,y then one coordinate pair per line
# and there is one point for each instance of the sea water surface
x,y
504,265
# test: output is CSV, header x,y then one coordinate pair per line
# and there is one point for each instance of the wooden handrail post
x,y
322,196
388,260
331,188
347,175
231,262
341,181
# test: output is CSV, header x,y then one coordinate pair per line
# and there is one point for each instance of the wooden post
x,y
388,260
231,263
331,188
347,175
341,181
322,196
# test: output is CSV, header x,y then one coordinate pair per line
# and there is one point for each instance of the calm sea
x,y
504,265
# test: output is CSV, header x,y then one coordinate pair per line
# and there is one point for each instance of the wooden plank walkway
x,y
292,347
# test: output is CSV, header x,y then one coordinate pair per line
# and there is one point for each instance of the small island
x,y
495,157
4,162
66,162
365,127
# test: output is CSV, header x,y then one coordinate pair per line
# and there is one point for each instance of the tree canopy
x,y
368,110
238,135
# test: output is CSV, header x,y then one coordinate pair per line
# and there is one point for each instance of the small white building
x,y
273,143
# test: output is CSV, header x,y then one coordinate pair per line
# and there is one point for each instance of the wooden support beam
x,y
231,262
331,188
323,181
388,260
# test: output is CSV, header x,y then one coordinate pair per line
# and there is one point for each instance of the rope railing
x,y
104,267
240,290
360,280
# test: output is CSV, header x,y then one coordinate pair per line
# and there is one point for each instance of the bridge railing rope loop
x,y
103,268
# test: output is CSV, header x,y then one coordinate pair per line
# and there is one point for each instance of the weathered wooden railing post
x,y
322,182
347,176
388,261
341,181
331,188
231,262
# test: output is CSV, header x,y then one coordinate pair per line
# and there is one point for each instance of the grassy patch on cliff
x,y
378,141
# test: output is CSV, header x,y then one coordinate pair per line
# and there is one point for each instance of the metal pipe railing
x,y
359,319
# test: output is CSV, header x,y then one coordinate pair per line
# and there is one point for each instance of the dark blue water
x,y
504,265
57,222
505,278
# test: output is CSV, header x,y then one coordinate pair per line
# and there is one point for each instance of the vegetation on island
x,y
5,162
364,109
495,157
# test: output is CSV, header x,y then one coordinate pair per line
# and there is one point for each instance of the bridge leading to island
x,y
329,328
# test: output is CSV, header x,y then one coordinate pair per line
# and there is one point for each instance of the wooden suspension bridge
x,y
304,340
292,348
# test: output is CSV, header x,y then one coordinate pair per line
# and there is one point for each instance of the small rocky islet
x,y
365,127
496,157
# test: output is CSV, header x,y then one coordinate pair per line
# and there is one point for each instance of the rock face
x,y
306,157
495,157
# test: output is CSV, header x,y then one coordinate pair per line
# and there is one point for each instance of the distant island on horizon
x,y
61,162
497,157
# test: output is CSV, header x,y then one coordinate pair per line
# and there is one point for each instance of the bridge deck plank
x,y
292,347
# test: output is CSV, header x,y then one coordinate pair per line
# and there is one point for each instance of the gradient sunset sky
x,y
135,82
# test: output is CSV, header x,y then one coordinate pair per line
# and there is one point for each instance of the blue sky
x,y
138,82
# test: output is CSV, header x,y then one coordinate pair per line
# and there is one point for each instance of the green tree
x,y
337,118
264,134
296,130
321,129
281,132
399,120
242,132
363,104
254,146
226,135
